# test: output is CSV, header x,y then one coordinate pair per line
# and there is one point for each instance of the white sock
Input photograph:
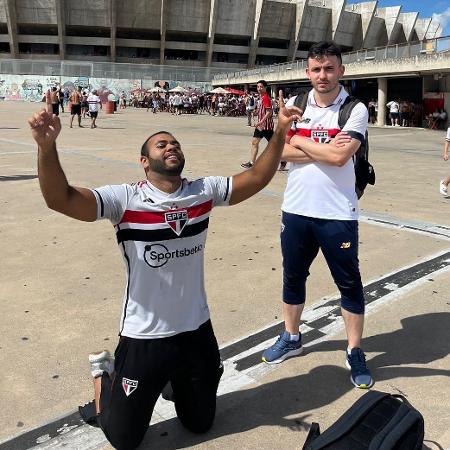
x,y
294,337
349,351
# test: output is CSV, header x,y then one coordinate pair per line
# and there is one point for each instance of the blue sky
x,y
439,8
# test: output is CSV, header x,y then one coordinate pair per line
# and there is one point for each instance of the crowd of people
x,y
193,102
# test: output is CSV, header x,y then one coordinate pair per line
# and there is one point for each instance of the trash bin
x,y
109,107
110,104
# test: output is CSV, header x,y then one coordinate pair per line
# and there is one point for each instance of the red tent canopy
x,y
235,91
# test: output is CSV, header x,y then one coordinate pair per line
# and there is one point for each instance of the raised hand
x,y
45,126
287,115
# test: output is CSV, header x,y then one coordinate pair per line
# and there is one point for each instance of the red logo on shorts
x,y
129,386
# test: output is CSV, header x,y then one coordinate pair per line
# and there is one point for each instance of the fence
x,y
408,50
107,70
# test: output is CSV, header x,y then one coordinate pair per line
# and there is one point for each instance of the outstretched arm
x,y
72,201
253,180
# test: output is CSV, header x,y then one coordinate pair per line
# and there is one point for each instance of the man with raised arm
x,y
161,224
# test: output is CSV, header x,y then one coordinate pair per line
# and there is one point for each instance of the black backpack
x,y
377,421
364,171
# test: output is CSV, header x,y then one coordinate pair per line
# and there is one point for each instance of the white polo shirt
x,y
322,190
162,239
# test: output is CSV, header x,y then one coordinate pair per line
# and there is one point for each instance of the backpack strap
x,y
346,109
300,101
347,421
392,434
314,433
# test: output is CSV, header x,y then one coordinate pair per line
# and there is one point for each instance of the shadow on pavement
x,y
421,340
17,177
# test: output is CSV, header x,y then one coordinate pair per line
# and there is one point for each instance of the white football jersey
x,y
162,238
322,190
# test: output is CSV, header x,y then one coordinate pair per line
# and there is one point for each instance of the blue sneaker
x,y
282,349
356,362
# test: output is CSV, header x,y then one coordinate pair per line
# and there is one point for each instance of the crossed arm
x,y
303,150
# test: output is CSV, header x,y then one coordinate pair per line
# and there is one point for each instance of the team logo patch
x,y
177,220
129,386
346,245
320,136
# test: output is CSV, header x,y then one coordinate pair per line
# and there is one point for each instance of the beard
x,y
328,87
160,167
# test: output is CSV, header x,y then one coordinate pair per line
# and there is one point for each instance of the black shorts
x,y
189,360
75,109
84,104
394,115
93,114
263,134
55,108
301,239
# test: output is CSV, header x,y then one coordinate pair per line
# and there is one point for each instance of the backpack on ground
x,y
377,421
364,171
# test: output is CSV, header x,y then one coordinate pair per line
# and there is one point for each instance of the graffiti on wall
x,y
31,88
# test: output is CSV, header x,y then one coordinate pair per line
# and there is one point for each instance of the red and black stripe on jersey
x,y
162,231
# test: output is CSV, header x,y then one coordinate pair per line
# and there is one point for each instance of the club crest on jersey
x,y
177,220
129,386
320,136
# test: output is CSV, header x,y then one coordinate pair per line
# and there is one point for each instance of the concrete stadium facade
x,y
199,33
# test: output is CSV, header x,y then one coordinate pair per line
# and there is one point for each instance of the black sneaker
x,y
360,374
88,414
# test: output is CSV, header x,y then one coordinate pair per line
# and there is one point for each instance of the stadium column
x,y
367,14
61,20
421,27
162,48
382,99
274,91
255,35
11,20
113,12
300,6
211,30
337,9
408,22
391,20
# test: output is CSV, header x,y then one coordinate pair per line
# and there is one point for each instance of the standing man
x,y
320,209
161,224
443,185
394,108
75,106
94,103
250,105
54,96
264,126
61,98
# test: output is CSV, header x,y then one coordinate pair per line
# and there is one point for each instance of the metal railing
x,y
107,70
407,50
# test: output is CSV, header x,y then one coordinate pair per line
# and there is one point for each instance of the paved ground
x,y
61,287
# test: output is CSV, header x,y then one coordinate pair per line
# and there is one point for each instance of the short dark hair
x,y
144,150
264,83
325,48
